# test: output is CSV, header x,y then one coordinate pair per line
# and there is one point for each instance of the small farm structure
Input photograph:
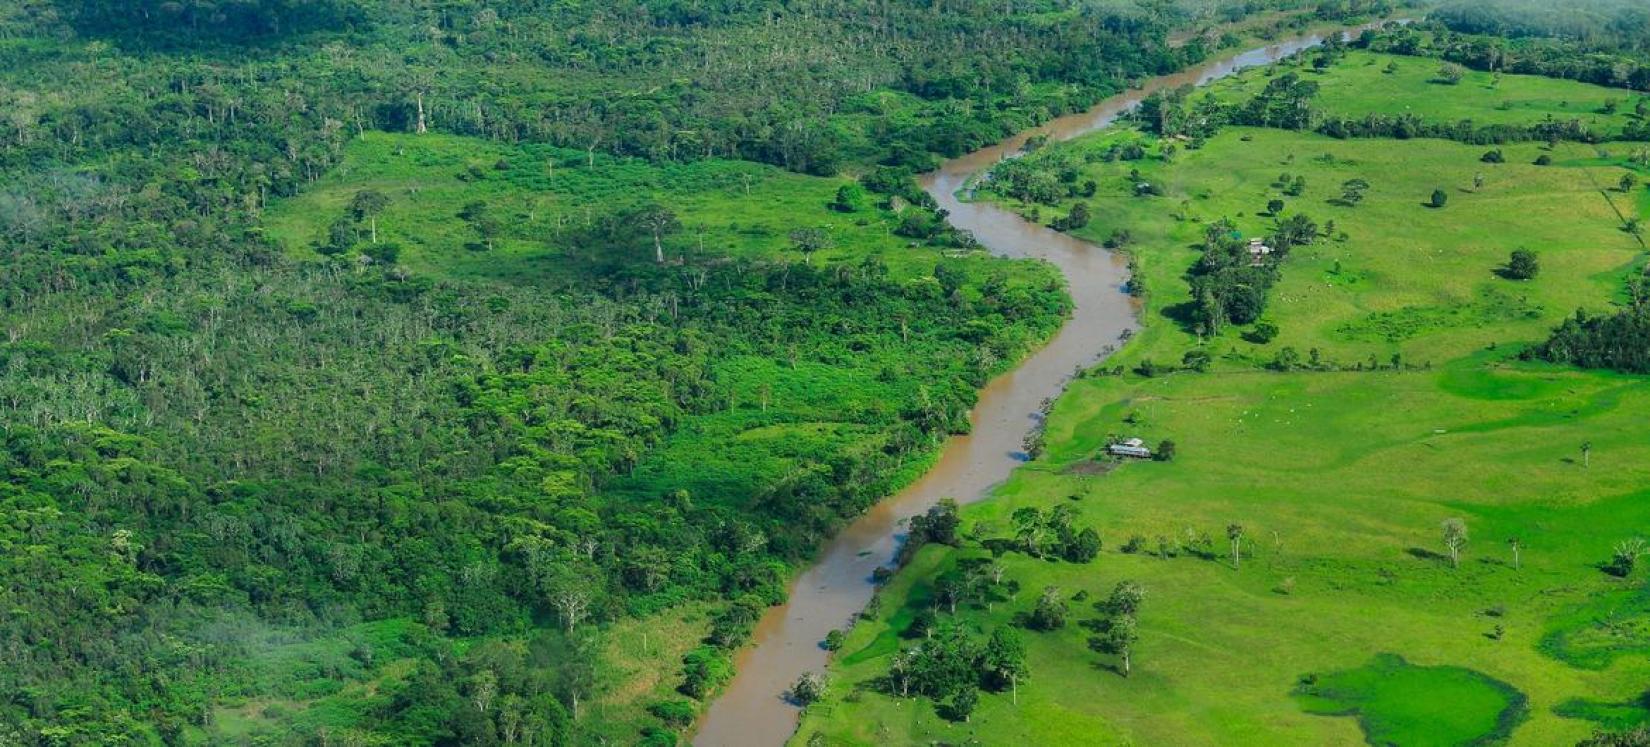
x,y
1258,252
1133,448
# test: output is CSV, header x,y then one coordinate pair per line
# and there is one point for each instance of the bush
x,y
675,713
808,688
1494,156
1440,198
1522,264
1263,333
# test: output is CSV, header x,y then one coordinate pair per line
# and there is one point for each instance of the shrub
x,y
808,688
1522,264
675,713
1262,333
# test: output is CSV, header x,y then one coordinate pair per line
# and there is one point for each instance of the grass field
x,y
1340,477
547,199
1366,83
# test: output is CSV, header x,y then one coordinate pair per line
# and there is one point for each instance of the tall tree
x,y
1455,538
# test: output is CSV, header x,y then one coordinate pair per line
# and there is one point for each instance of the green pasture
x,y
1397,276
1345,600
1366,83
551,203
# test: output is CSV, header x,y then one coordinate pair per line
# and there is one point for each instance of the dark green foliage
x,y
1635,737
1523,264
1050,612
1439,198
1618,341
310,449
1228,286
1077,218
1262,333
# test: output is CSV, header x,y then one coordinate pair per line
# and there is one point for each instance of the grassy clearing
x,y
1373,83
1406,278
548,201
1339,477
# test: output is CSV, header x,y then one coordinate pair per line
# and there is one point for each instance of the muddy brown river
x,y
788,642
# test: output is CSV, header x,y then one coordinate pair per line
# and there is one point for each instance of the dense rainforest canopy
x,y
244,477
219,448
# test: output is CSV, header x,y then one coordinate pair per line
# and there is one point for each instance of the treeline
x,y
1455,34
1286,102
1602,24
1618,341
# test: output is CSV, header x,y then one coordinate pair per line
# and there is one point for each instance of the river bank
x,y
826,596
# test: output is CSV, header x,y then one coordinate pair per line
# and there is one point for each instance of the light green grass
x,y
548,198
1406,278
1340,478
1360,85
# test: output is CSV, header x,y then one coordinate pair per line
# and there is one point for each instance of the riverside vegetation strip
x,y
1379,393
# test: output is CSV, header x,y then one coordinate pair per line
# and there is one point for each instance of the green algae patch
x,y
1399,703
1594,634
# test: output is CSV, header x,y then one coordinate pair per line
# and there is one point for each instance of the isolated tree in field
x,y
1477,182
1586,453
1629,180
366,205
1451,73
1522,264
1005,660
1625,557
1517,546
1455,538
1352,191
1234,534
849,198
659,221
1440,198
1118,639
810,240
1274,207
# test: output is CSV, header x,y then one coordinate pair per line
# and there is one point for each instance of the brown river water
x,y
788,642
